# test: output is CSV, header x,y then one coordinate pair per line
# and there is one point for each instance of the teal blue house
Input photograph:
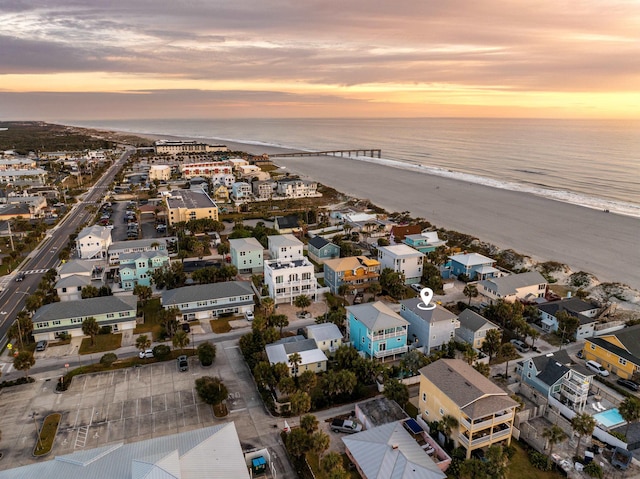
x,y
425,242
320,249
137,268
376,330
247,254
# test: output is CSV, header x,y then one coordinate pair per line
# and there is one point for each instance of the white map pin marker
x,y
426,294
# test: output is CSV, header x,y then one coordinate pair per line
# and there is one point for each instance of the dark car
x,y
628,384
183,363
186,328
358,298
20,276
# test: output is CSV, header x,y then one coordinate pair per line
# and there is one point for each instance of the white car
x,y
417,287
248,315
147,353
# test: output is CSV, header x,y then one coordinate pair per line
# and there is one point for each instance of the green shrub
x,y
162,352
538,460
594,470
105,330
206,353
108,359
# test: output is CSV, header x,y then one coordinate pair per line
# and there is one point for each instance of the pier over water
x,y
372,152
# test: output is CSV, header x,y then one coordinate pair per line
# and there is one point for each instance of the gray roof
x,y
376,316
507,285
381,411
245,244
550,370
431,315
189,199
72,281
136,255
471,259
279,351
289,221
573,306
76,266
630,339
475,394
390,452
324,331
188,455
202,292
85,308
141,243
101,232
472,321
278,241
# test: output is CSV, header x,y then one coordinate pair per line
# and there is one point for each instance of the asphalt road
x,y
45,257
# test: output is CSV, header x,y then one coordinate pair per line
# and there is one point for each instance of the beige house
x,y
186,205
326,335
160,172
523,287
473,328
221,194
484,411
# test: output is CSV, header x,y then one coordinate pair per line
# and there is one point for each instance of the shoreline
x,y
606,245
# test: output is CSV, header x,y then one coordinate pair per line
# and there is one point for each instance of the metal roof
x,y
376,316
324,332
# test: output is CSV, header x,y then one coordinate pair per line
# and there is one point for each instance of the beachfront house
x,y
474,266
473,328
321,249
263,190
555,375
93,242
402,259
241,191
376,330
425,242
484,411
247,255
525,287
210,301
287,224
66,317
585,312
357,272
400,232
617,352
312,358
429,329
297,188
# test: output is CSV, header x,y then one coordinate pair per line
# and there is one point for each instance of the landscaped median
x,y
47,435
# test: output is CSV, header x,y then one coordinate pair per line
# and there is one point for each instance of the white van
x,y
597,368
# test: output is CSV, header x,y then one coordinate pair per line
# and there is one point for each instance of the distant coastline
x,y
585,239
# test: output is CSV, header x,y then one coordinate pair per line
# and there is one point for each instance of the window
x,y
424,397
441,412
110,315
56,322
622,361
592,346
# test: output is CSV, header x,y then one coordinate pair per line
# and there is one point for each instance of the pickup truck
x,y
342,425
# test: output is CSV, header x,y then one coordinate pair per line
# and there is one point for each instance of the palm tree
x,y
629,409
143,342
448,424
583,424
553,435
471,291
507,353
90,327
268,306
180,340
303,301
295,360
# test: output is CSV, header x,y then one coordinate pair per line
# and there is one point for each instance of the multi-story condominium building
x,y
33,177
376,330
187,205
208,301
523,287
53,319
402,259
176,147
358,272
429,329
289,278
93,242
296,188
18,164
284,247
241,190
160,172
483,410
135,246
206,169
137,268
247,255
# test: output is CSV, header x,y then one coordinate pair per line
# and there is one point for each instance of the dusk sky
x,y
95,59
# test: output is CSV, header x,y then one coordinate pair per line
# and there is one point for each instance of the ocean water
x,y
593,163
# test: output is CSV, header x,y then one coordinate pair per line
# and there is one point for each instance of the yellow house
x,y
221,194
186,205
484,411
618,352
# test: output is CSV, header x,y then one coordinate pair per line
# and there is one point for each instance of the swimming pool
x,y
609,418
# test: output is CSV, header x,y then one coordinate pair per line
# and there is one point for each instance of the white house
x,y
297,188
93,242
523,286
311,357
402,259
326,335
585,312
289,278
285,247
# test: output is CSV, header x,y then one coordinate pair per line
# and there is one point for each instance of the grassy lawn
x,y
47,434
220,325
61,342
103,342
520,468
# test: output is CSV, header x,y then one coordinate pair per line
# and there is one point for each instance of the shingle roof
x,y
573,306
401,250
101,232
351,263
381,411
507,285
285,222
85,308
630,338
202,292
470,390
188,455
280,351
132,244
76,266
400,232
472,321
431,315
376,316
72,281
389,452
318,242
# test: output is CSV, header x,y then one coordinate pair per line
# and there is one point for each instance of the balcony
x,y
379,337
486,440
390,352
479,425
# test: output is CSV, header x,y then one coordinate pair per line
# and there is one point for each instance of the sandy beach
x,y
604,244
